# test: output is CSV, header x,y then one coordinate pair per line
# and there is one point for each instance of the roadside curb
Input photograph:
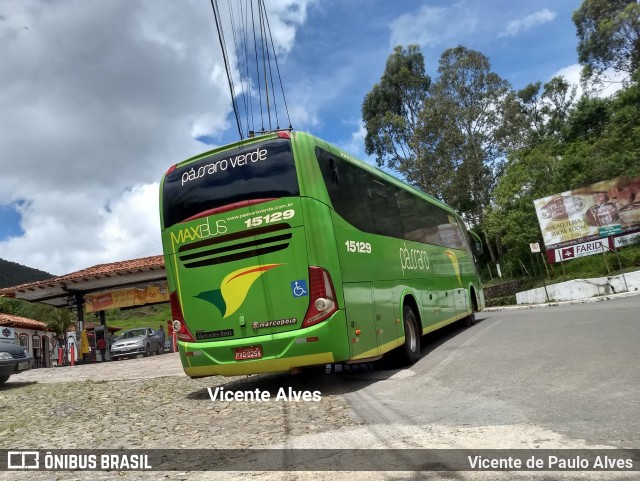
x,y
586,300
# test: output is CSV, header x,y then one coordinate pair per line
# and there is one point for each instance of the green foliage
x,y
588,119
390,110
501,301
151,316
14,274
59,319
465,130
627,259
528,272
609,36
600,141
451,138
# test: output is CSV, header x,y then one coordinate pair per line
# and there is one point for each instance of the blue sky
x,y
341,50
99,98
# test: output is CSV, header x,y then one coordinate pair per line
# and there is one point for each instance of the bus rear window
x,y
257,171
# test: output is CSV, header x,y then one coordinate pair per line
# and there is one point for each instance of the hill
x,y
13,274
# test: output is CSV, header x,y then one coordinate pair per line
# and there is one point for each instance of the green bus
x,y
283,251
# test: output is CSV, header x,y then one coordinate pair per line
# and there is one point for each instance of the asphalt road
x,y
572,370
553,378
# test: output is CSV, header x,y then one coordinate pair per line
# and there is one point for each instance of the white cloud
x,y
611,84
355,145
98,99
540,17
433,26
74,230
284,18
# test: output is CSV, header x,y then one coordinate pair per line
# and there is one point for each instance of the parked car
x,y
141,340
13,360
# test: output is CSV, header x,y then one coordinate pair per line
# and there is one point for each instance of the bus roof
x,y
384,175
350,158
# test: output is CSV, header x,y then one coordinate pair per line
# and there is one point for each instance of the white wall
x,y
581,289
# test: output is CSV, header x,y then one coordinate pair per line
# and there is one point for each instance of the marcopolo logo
x,y
234,288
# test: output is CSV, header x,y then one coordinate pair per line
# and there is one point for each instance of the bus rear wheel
x,y
410,351
470,320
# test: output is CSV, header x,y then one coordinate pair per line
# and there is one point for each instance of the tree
x,y
512,217
390,110
11,306
546,108
601,141
588,119
60,320
467,127
609,36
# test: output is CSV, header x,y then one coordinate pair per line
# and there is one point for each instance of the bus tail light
x,y
322,297
178,324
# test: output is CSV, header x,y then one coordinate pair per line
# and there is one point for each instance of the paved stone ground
x,y
140,368
149,403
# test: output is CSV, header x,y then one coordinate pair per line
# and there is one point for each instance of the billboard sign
x,y
578,215
627,240
100,301
581,250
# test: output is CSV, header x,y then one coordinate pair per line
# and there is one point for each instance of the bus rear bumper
x,y
259,366
312,346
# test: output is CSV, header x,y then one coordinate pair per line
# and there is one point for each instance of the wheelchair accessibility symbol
x,y
299,288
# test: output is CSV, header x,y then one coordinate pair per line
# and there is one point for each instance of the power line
x,y
252,21
284,99
216,15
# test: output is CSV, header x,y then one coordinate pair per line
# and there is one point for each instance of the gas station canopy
x,y
66,290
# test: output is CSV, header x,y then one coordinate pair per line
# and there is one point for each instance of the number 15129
x,y
361,247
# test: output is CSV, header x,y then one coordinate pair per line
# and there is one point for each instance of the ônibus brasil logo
x,y
234,288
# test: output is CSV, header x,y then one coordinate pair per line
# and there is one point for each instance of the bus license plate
x,y
250,352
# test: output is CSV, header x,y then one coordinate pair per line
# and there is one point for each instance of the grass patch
x,y
143,316
501,301
607,265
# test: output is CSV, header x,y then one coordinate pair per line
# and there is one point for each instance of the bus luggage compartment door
x,y
363,337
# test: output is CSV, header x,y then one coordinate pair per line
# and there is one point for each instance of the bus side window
x,y
334,171
476,243
385,208
351,197
411,225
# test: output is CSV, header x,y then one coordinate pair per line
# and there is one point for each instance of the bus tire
x,y
410,351
470,320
